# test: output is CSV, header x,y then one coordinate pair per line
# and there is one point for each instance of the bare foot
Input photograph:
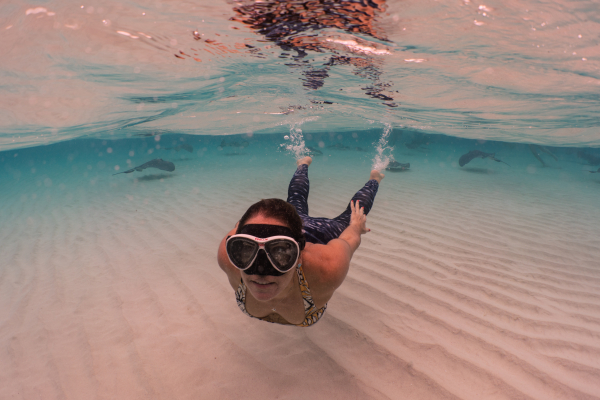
x,y
306,160
378,176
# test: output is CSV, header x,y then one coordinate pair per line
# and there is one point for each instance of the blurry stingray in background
x,y
184,146
339,146
156,163
468,157
395,166
594,172
307,25
234,143
590,158
419,142
534,150
394,136
159,132
314,152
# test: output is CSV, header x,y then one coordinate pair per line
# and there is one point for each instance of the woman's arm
x,y
358,226
332,261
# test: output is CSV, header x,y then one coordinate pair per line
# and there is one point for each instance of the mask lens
x,y
241,251
283,253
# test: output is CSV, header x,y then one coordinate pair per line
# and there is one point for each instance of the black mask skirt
x,y
262,265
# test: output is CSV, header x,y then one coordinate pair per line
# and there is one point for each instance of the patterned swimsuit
x,y
311,313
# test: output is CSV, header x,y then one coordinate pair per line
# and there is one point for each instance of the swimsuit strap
x,y
240,298
311,313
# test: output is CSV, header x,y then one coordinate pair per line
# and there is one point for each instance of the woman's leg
x,y
322,230
298,190
365,197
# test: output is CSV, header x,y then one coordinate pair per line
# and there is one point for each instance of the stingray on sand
x,y
395,166
156,163
468,157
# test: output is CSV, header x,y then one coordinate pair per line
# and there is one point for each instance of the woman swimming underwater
x,y
273,284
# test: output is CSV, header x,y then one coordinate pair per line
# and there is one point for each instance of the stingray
x,y
590,158
396,166
418,143
534,150
233,143
314,152
466,158
184,146
545,150
593,172
156,163
339,146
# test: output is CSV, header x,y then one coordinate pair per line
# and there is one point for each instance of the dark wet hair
x,y
278,209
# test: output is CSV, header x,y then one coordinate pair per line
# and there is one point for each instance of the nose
x,y
262,262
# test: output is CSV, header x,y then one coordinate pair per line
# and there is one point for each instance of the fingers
x,y
355,206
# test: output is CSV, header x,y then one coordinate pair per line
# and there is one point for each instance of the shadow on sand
x,y
154,177
396,170
479,171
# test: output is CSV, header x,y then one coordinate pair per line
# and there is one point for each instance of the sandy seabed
x,y
475,283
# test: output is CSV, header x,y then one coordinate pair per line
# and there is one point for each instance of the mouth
x,y
262,284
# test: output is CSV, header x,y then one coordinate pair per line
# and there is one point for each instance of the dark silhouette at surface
x,y
468,157
297,26
156,163
283,21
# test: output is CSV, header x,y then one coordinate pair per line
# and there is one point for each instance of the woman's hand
x,y
358,219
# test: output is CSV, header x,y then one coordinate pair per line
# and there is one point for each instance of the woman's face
x,y
268,287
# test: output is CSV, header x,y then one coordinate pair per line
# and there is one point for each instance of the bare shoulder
x,y
326,266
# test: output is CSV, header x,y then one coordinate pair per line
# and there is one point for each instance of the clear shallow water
x,y
481,278
93,167
524,72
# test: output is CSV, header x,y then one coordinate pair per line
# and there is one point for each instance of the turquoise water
x,y
105,80
78,170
